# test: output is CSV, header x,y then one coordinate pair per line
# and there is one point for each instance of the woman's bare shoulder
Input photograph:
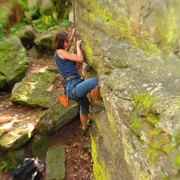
x,y
61,53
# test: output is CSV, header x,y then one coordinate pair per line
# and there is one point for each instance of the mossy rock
x,y
13,64
56,117
39,146
33,90
55,166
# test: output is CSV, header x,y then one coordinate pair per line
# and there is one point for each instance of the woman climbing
x,y
75,87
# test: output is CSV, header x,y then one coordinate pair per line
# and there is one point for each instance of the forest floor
x,y
78,155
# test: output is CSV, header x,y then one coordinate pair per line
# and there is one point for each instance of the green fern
x,y
5,166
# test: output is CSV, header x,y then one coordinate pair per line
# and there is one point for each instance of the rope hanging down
x,y
74,18
79,65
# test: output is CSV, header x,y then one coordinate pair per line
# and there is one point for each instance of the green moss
x,y
103,13
2,131
144,103
91,17
153,155
122,28
148,46
154,133
153,118
177,139
89,50
176,160
172,27
136,125
143,176
178,104
6,165
99,126
160,142
94,148
128,154
165,26
157,145
112,122
168,148
136,122
137,133
145,99
145,114
127,150
99,168
40,148
166,178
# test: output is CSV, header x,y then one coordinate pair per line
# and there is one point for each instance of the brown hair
x,y
59,39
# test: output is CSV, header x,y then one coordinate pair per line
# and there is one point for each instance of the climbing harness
x,y
64,98
67,81
70,78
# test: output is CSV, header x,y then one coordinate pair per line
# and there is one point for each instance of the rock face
x,y
13,62
136,46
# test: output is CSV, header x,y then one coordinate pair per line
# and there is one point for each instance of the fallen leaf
x,y
50,88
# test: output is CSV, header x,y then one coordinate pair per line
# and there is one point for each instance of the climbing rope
x,y
74,18
78,65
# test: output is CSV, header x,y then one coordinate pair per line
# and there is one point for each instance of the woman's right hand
x,y
74,31
78,43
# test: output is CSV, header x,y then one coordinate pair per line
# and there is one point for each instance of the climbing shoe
x,y
100,104
84,132
89,122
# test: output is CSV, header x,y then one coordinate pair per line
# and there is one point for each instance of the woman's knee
x,y
85,87
95,83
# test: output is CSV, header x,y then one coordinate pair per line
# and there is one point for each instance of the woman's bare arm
x,y
72,35
70,56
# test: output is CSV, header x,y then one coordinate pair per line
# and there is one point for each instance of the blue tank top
x,y
66,67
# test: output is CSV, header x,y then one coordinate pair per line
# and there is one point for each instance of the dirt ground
x,y
78,155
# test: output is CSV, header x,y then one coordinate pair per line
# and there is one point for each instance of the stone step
x,y
55,164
